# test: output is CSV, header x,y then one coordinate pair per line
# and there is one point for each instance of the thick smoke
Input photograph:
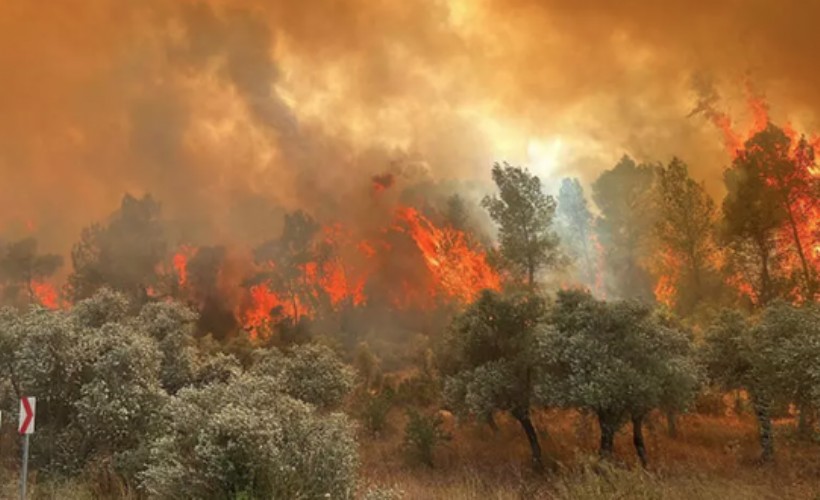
x,y
232,112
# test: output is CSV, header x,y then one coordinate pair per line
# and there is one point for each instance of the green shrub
x,y
374,411
246,438
422,435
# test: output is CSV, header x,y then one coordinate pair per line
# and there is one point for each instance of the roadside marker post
x,y
26,428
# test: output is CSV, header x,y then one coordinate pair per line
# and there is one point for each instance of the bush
x,y
248,439
311,373
375,409
422,435
127,397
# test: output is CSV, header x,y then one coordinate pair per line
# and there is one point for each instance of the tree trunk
x,y
637,438
764,423
672,423
607,436
523,418
799,245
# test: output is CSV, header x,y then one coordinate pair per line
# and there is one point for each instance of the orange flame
x,y
180,262
804,207
459,271
666,290
45,294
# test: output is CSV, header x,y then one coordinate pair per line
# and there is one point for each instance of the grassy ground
x,y
713,457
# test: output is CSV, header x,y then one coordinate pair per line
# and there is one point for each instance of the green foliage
x,y
489,359
310,372
95,375
525,216
374,410
113,388
775,358
172,326
614,359
246,438
217,368
422,435
486,356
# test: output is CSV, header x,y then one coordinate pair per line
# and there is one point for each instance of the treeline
x,y
622,360
659,235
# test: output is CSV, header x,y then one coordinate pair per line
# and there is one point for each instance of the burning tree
x,y
769,211
206,282
22,268
125,254
285,262
685,230
525,217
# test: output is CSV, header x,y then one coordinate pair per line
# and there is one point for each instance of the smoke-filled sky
x,y
230,111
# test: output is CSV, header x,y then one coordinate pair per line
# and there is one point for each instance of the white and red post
x,y
26,428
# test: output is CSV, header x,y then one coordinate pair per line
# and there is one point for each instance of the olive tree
x,y
617,360
489,360
736,359
775,358
795,331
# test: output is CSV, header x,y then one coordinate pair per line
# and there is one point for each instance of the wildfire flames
x,y
45,294
455,269
797,243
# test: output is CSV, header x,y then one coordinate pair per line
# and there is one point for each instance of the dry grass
x,y
713,457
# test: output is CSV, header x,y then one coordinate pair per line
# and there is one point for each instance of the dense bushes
x,y
131,391
247,437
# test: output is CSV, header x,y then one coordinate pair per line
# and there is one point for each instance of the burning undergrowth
x,y
411,263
